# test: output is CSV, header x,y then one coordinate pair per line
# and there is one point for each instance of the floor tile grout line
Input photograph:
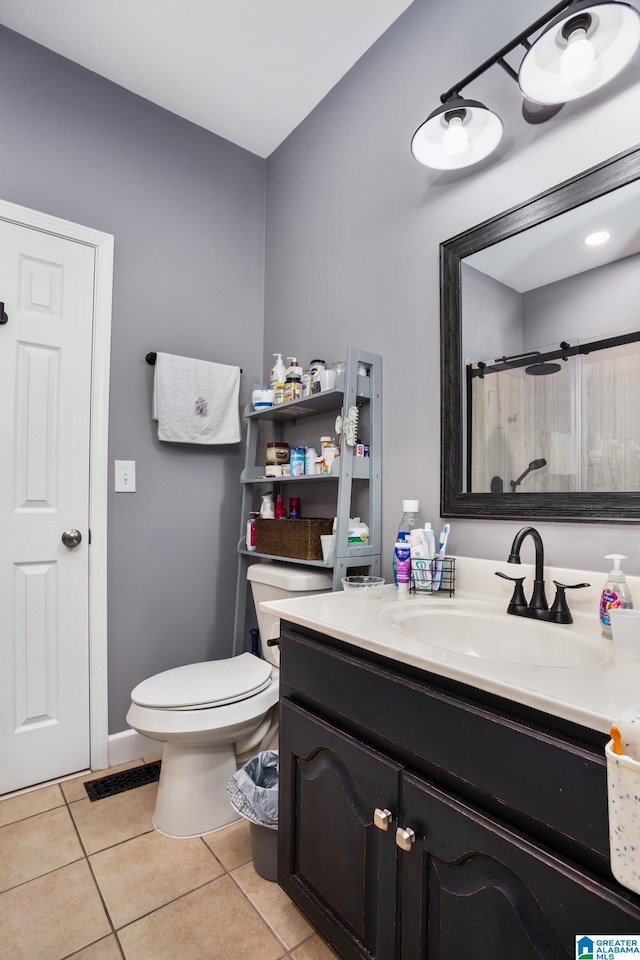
x,y
181,896
40,876
266,920
30,816
76,953
114,931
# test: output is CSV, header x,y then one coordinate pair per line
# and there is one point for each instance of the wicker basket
x,y
299,539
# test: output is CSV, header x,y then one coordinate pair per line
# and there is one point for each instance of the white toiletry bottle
x,y
410,521
267,507
278,372
615,594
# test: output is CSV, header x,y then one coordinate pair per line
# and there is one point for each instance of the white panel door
x,y
47,286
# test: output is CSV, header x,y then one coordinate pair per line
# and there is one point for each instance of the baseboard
x,y
130,745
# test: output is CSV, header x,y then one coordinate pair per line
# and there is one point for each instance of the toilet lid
x,y
200,685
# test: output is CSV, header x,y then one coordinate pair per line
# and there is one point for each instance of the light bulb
x,y
579,55
456,138
596,238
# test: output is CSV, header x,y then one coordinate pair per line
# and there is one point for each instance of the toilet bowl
x,y
213,716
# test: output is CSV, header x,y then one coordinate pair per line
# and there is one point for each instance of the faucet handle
x,y
560,612
518,601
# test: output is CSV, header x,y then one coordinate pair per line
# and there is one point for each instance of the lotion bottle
x,y
615,594
278,372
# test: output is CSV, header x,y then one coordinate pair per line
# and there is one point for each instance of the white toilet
x,y
213,716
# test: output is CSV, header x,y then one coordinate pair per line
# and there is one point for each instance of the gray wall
x,y
187,212
491,317
354,225
591,305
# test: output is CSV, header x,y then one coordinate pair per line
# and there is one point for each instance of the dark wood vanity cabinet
x,y
501,812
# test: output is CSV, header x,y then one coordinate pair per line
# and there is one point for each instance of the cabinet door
x,y
471,887
334,862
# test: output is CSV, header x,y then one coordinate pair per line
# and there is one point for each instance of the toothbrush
x,y
442,543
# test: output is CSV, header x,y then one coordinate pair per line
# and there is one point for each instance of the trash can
x,y
253,792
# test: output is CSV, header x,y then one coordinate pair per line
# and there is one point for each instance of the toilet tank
x,y
281,581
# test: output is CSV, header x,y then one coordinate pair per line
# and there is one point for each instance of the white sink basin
x,y
469,629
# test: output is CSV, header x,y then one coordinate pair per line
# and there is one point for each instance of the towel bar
x,y
152,357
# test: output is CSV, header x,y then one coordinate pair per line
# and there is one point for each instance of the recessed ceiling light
x,y
595,239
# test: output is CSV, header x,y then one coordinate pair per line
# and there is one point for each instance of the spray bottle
x,y
615,594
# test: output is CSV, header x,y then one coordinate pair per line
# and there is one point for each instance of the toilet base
x,y
192,796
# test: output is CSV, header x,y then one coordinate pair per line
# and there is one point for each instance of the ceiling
x,y
554,250
247,70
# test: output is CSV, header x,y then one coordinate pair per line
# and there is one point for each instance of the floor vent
x,y
123,780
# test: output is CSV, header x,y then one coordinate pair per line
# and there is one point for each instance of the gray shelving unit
x,y
351,390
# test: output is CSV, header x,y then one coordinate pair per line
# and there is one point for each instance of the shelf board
x,y
323,477
354,553
359,465
324,402
273,556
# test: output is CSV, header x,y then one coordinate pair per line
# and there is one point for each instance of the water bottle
x,y
411,520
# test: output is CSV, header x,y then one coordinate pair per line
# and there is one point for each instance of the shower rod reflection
x,y
564,351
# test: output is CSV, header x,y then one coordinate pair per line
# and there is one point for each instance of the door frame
x,y
103,244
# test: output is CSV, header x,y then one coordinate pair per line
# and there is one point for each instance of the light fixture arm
x,y
521,39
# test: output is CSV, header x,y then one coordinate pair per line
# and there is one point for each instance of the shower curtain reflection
x,y
583,419
524,431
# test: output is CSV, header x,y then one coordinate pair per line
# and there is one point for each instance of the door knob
x,y
71,538
382,818
405,838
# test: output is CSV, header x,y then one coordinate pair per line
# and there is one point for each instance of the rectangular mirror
x,y
540,355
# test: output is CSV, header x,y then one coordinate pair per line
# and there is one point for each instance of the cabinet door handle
x,y
382,818
405,838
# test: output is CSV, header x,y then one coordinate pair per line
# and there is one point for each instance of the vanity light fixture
x,y
581,50
583,45
596,238
457,134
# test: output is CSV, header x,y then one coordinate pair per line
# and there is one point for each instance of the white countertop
x,y
593,696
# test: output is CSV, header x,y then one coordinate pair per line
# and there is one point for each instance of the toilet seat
x,y
200,686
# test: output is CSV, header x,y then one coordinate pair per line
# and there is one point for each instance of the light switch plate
x,y
125,476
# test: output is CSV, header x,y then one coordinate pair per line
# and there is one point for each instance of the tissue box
x,y
623,783
358,531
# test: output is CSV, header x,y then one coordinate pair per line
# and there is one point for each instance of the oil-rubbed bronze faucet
x,y
537,608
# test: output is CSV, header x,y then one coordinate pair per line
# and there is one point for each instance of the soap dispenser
x,y
615,594
278,372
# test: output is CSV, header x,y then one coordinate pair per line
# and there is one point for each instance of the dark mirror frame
x,y
454,502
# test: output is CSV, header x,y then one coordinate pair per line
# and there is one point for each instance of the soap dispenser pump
x,y
615,594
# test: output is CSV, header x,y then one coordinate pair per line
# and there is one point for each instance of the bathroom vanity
x,y
422,816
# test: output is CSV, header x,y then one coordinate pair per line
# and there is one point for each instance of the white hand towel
x,y
195,401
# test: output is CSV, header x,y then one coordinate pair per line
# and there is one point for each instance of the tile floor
x,y
94,881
